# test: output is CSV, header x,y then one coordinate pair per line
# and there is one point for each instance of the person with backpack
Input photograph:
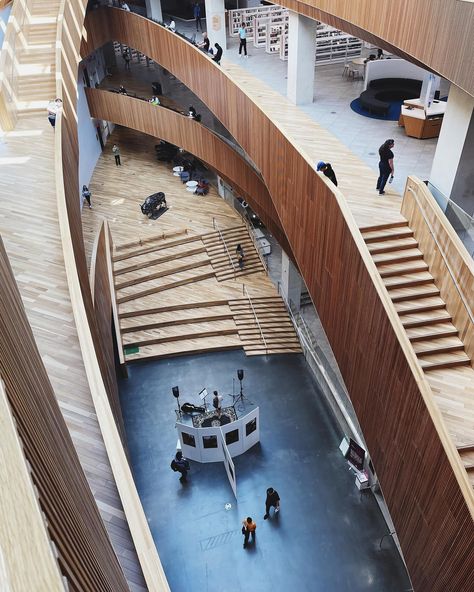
x,y
181,465
217,54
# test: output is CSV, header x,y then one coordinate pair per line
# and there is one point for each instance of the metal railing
x,y
231,261
246,292
254,241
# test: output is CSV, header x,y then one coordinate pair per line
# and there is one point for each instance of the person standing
x,y
248,530
53,109
217,54
86,195
217,403
273,500
204,45
326,168
116,153
197,15
386,167
243,40
126,58
181,465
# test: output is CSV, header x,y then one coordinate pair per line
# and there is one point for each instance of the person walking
x,y
86,195
197,15
248,530
243,39
217,54
126,58
386,167
273,500
181,465
116,153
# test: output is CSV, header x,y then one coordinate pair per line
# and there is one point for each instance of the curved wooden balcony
x,y
426,488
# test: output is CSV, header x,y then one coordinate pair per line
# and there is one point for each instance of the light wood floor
x,y
30,230
178,284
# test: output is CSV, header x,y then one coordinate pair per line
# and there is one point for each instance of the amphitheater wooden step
x,y
156,248
441,345
426,332
160,274
406,307
405,268
181,337
172,308
185,347
446,360
159,260
160,238
389,246
397,257
174,322
413,293
408,280
162,288
388,234
423,319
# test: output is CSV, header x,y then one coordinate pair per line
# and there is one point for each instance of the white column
x,y
301,58
153,10
453,163
215,23
290,282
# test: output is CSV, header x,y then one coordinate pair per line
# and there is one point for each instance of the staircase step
x,y
405,268
413,293
407,307
409,280
426,332
392,245
447,360
426,318
442,345
388,234
397,256
399,224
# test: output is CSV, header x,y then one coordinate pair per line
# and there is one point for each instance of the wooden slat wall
x,y
435,34
416,202
23,534
95,362
193,137
102,294
425,487
86,557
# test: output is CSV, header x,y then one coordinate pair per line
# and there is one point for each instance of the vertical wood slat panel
x,y
85,554
426,489
418,204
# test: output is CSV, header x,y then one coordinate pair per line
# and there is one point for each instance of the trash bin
x,y
157,90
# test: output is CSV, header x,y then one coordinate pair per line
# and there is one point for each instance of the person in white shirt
x,y
124,6
172,26
53,109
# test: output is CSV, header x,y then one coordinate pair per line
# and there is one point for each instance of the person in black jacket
x,y
326,168
217,54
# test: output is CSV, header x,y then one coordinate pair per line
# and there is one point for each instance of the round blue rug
x,y
392,115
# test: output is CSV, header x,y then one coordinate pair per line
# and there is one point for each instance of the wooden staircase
x,y
467,457
416,298
221,249
264,326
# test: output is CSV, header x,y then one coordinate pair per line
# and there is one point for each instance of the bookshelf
x,y
250,16
333,45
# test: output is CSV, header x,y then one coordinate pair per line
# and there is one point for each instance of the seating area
x,y
382,91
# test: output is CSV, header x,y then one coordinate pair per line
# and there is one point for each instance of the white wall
x,y
392,69
89,145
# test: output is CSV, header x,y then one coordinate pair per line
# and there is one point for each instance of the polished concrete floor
x,y
327,535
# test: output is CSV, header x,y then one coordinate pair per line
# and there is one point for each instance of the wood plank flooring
x,y
177,278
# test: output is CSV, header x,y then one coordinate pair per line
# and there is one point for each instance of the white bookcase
x,y
249,16
284,47
333,45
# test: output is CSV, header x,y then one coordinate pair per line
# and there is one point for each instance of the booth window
x,y
209,441
188,439
250,427
232,437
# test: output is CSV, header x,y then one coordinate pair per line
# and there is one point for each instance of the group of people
x,y
249,526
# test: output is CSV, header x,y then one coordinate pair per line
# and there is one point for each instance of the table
x,y
359,61
177,170
191,186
